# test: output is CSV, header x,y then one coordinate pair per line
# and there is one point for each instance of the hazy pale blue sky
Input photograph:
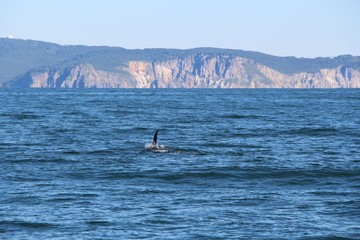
x,y
302,28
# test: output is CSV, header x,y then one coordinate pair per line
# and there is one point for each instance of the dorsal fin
x,y
155,138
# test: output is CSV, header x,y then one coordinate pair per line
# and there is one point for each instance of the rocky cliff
x,y
195,71
78,76
27,63
202,71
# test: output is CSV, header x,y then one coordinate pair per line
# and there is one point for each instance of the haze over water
x,y
258,164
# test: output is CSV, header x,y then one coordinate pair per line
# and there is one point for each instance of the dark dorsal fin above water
x,y
155,138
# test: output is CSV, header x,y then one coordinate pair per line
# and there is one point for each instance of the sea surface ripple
x,y
240,164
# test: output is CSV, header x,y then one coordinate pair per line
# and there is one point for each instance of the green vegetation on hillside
x,y
17,57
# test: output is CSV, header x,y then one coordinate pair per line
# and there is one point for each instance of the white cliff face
x,y
227,72
192,72
195,71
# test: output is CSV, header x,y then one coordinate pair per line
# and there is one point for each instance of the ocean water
x,y
239,164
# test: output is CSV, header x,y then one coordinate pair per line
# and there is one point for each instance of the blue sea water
x,y
240,164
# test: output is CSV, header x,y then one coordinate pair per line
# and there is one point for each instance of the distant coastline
x,y
35,64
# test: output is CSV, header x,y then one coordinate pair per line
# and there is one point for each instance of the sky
x,y
300,28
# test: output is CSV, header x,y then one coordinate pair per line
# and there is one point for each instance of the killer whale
x,y
155,146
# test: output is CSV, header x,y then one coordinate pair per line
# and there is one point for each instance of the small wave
x,y
23,116
187,151
99,223
22,199
313,131
39,160
122,175
75,197
27,178
236,116
100,152
196,175
328,237
160,222
24,224
69,199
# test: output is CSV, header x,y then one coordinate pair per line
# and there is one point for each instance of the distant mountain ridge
x,y
35,64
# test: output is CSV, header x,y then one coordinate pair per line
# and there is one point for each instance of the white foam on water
x,y
156,148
